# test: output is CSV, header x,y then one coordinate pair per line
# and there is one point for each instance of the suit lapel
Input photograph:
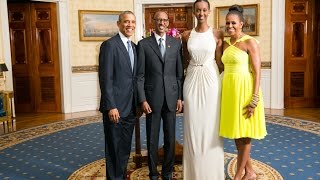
x,y
155,47
135,58
125,52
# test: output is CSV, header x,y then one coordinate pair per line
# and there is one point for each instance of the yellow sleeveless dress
x,y
237,90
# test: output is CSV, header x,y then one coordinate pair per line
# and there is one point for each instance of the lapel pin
x,y
169,46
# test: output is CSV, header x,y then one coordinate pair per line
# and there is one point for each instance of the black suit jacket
x,y
158,78
117,81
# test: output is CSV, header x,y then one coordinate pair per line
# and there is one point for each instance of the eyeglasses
x,y
161,20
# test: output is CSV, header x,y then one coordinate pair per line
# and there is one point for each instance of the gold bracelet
x,y
252,105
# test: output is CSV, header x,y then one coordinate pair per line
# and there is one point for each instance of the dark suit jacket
x,y
159,78
117,81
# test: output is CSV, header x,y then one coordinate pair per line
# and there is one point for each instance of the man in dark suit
x,y
117,70
159,87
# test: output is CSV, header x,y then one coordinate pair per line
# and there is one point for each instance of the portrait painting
x,y
97,25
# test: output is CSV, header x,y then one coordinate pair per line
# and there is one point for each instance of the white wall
x,y
265,85
85,92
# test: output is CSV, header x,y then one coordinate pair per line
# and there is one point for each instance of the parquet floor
x,y
28,120
311,114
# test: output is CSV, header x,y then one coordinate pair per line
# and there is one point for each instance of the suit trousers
x,y
118,137
153,129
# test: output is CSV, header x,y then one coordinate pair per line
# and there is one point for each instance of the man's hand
x,y
145,107
114,115
179,106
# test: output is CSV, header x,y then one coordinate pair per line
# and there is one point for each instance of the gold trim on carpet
x,y
14,138
97,170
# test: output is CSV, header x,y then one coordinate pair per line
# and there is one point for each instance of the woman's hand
x,y
248,111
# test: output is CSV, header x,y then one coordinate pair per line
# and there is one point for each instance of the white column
x,y
64,55
138,11
4,19
6,43
277,62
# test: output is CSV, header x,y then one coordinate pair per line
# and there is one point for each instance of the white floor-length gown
x,y
203,156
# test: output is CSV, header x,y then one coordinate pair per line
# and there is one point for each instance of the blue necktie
x,y
161,47
131,55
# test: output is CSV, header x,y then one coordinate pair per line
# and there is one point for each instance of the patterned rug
x,y
74,149
96,170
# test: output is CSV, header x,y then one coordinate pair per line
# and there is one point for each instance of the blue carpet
x,y
292,152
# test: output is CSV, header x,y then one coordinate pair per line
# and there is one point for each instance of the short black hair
x,y
123,13
154,15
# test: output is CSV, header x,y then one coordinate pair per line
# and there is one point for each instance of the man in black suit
x,y
159,87
117,70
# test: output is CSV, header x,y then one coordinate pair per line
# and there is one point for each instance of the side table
x,y
8,107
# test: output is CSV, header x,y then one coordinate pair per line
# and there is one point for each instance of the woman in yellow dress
x,y
242,109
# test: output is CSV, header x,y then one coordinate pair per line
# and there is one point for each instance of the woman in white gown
x,y
203,156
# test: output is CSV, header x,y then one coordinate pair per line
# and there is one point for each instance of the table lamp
x,y
3,68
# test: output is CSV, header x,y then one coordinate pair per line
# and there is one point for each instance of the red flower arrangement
x,y
174,32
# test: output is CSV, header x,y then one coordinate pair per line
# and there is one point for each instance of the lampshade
x,y
3,67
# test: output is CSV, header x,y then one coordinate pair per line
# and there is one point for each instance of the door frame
x,y
64,50
277,54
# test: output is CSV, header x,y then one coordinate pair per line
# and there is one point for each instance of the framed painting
x,y
97,25
251,19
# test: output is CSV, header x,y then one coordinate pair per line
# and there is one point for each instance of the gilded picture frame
x,y
97,25
251,17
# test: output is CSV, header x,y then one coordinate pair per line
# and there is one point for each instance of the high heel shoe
x,y
252,176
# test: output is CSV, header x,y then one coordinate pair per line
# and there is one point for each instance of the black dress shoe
x,y
153,177
167,178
